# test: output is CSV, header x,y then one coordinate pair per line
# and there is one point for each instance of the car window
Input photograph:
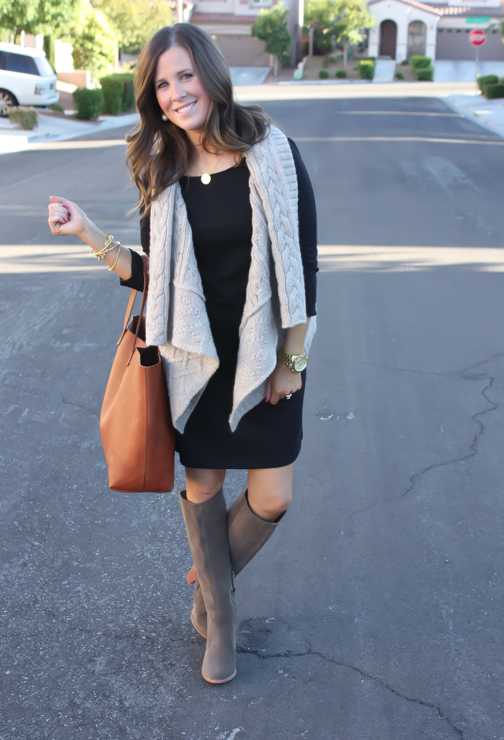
x,y
1,59
45,68
21,63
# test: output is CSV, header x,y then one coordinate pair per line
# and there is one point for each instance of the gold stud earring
x,y
164,117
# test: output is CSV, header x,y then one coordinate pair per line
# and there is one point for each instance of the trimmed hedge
x,y
399,76
112,90
118,93
418,61
25,118
323,74
425,74
128,100
89,103
340,73
484,80
366,68
495,90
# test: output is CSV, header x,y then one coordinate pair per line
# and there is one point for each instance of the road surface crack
x,y
364,674
465,374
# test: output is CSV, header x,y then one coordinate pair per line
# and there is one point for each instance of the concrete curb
x,y
472,116
16,141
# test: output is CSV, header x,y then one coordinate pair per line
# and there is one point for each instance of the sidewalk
x,y
54,127
488,113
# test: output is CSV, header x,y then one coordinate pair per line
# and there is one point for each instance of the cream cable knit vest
x,y
176,318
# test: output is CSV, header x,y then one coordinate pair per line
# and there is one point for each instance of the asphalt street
x,y
375,612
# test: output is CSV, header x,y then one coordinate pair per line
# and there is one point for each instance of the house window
x,y
260,3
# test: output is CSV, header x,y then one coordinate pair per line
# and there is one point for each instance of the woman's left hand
x,y
281,382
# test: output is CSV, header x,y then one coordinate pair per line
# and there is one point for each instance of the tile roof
x,y
470,11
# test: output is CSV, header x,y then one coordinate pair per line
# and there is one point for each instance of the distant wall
x,y
79,77
242,51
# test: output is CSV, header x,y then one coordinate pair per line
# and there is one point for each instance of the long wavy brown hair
x,y
159,151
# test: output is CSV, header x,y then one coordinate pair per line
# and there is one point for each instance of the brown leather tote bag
x,y
135,422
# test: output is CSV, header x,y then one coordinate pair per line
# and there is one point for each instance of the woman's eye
x,y
187,74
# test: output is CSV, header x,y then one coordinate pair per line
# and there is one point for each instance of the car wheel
x,y
7,101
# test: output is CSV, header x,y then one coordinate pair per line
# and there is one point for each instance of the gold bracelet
x,y
118,253
107,247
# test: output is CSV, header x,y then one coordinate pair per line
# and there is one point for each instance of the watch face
x,y
300,363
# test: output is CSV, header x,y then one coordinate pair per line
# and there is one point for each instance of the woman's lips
x,y
186,108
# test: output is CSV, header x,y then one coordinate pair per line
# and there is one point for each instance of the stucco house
x,y
439,30
230,23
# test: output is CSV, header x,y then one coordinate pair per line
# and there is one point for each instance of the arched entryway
x,y
417,38
388,39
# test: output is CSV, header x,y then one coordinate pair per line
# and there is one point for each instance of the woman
x,y
228,221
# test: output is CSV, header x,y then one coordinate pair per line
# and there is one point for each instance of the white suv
x,y
26,78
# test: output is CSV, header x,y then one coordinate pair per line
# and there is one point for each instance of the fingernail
x,y
266,399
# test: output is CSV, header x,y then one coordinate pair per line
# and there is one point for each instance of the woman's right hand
x,y
66,218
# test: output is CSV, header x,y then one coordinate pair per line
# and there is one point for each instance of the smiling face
x,y
179,92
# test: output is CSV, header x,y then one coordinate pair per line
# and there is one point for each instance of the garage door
x,y
453,43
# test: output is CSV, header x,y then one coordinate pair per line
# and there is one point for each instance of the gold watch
x,y
296,363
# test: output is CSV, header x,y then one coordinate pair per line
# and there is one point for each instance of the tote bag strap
x,y
145,261
129,307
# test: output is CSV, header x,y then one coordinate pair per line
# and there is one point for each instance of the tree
x,y
352,17
271,27
136,20
38,16
319,17
94,42
343,21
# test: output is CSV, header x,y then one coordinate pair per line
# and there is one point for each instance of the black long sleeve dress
x,y
220,217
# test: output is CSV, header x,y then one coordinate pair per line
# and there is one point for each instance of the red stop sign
x,y
477,37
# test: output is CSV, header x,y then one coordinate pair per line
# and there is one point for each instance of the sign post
x,y
477,38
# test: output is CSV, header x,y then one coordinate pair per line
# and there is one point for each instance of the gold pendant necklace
x,y
205,176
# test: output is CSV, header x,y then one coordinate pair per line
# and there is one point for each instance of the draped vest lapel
x,y
177,320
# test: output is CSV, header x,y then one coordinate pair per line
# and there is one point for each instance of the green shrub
x,y
128,99
491,91
341,73
366,68
118,93
484,80
425,74
323,74
419,61
25,118
399,76
112,90
404,62
89,103
56,107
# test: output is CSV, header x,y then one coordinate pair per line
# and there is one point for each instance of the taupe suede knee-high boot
x,y
247,533
206,525
198,614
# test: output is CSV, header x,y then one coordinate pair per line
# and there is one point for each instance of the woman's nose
x,y
178,92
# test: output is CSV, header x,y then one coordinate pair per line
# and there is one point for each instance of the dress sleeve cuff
x,y
136,280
